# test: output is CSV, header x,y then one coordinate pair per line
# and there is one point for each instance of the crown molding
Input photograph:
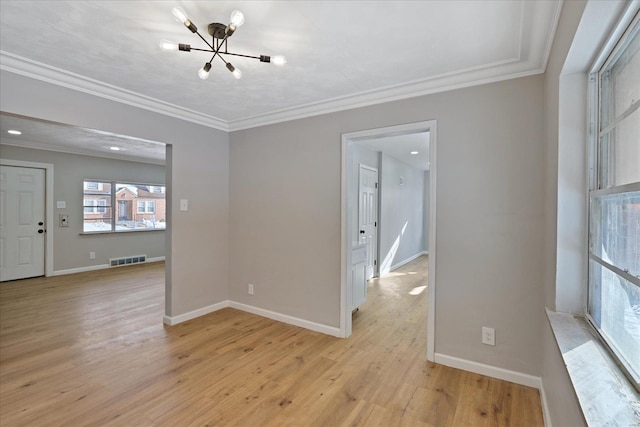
x,y
488,73
37,70
437,84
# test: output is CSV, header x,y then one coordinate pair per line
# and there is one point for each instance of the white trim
x,y
279,317
80,269
408,260
37,70
490,371
99,267
346,208
296,321
431,277
620,28
374,97
546,414
48,181
174,320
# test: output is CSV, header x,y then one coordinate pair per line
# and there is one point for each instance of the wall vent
x,y
128,260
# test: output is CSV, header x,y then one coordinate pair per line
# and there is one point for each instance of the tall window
x,y
614,199
111,206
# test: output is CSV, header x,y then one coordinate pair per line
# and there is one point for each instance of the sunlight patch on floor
x,y
417,290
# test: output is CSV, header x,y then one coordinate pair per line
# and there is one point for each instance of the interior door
x,y
368,216
22,228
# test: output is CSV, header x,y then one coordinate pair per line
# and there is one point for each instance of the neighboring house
x,y
141,204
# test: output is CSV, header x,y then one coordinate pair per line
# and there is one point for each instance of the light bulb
x,y
237,18
203,73
180,15
236,73
168,45
278,60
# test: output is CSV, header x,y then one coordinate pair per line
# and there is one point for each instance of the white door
x,y
368,216
22,227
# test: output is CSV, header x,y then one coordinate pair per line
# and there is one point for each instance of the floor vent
x,y
128,260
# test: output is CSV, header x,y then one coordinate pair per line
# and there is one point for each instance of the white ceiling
x,y
71,139
401,146
341,54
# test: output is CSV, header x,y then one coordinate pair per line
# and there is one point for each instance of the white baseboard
x,y
296,321
490,371
545,406
79,269
408,260
96,267
174,320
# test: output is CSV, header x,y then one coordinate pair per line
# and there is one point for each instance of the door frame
x,y
347,202
48,207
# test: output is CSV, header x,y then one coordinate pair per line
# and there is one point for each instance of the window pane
x,y
615,230
619,80
140,207
97,221
620,153
614,304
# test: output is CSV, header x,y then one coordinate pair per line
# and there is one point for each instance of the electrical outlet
x,y
250,289
488,336
92,255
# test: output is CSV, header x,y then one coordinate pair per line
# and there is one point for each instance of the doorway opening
x,y
363,148
105,156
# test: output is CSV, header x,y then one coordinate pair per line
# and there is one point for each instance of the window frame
x,y
96,207
595,188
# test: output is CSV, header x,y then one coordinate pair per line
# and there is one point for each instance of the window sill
x,y
604,393
91,233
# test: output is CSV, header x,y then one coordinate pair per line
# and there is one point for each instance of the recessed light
x,y
115,148
14,132
414,152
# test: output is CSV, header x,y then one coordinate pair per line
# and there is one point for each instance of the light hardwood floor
x,y
91,349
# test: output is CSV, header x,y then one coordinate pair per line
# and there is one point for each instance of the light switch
x,y
64,220
61,204
184,205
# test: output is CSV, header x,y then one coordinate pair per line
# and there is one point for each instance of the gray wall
x,y
198,170
401,213
70,248
285,216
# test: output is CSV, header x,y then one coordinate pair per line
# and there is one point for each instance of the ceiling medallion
x,y
220,34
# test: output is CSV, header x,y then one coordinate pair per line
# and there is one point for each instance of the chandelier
x,y
219,45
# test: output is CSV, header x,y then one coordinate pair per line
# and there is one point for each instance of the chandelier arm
x,y
205,40
242,55
202,50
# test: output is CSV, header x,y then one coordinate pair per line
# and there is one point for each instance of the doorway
x,y
26,250
350,214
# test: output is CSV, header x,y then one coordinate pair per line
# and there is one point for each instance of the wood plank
x,y
90,349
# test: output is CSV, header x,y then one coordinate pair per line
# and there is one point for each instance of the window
x,y
148,206
92,185
130,207
614,202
